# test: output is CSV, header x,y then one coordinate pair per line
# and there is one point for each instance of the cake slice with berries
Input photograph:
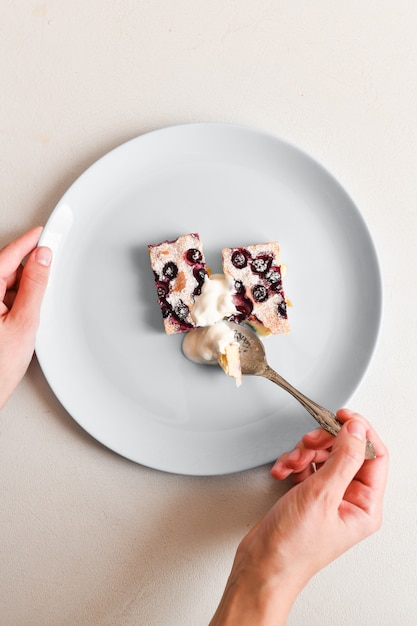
x,y
179,269
259,298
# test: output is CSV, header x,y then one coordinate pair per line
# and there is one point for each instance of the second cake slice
x,y
260,298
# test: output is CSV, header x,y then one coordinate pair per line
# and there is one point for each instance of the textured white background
x,y
87,537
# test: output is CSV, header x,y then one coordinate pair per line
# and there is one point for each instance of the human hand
x,y
21,293
323,515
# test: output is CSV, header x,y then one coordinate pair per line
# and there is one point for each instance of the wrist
x,y
255,596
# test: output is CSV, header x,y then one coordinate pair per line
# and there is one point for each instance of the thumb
x,y
346,458
32,285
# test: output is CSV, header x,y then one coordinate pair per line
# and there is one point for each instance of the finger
x,y
299,477
368,489
347,414
345,460
380,448
17,277
280,471
313,447
318,439
294,461
12,280
27,303
374,473
12,255
297,461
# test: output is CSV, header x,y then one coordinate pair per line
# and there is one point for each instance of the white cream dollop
x,y
213,340
206,344
215,303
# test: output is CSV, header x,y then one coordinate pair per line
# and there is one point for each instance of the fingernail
x,y
357,429
43,256
280,468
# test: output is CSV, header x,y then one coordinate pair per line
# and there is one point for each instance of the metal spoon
x,y
253,362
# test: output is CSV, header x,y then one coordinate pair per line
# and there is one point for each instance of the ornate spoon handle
x,y
325,418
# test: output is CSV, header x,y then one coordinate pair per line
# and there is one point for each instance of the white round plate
x,y
101,343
